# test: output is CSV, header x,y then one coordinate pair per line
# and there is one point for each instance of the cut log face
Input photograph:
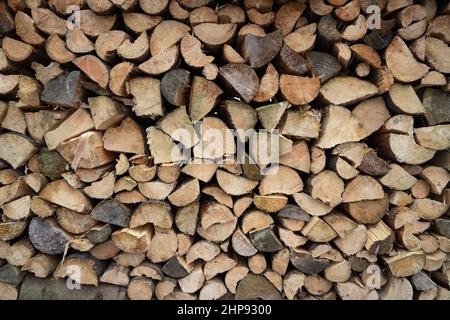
x,y
259,51
299,90
362,188
214,35
16,149
402,63
113,212
123,149
47,236
64,90
94,68
118,138
332,133
61,193
191,50
403,98
242,79
203,97
166,34
333,93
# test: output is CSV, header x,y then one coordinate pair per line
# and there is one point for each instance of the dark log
x,y
242,79
176,267
437,106
265,240
47,236
113,212
259,51
11,274
51,163
304,262
253,287
64,90
56,289
175,86
323,65
291,62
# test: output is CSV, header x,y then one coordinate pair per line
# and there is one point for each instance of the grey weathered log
x,y
175,87
64,90
291,62
291,211
113,212
265,240
327,31
253,287
99,234
442,226
47,236
259,51
437,106
323,65
422,282
304,262
242,79
56,289
11,274
175,267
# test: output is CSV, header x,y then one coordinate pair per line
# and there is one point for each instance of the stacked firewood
x,y
112,188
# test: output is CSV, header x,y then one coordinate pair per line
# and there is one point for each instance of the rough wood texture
x,y
198,149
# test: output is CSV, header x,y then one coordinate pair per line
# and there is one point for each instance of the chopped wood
x,y
174,86
259,51
289,86
166,34
107,165
94,68
401,62
116,138
191,50
332,90
236,75
256,287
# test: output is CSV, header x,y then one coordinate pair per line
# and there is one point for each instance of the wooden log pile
x,y
98,197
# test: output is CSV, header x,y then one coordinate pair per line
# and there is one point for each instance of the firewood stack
x,y
98,199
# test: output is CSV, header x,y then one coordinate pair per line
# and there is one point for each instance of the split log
x,y
94,68
174,86
113,212
203,97
235,75
259,51
190,218
401,62
191,51
61,193
118,138
289,86
166,34
93,25
332,91
146,96
256,287
47,236
63,90
17,51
